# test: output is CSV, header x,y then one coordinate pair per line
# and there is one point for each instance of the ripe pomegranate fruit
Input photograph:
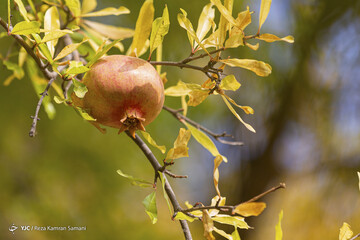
x,y
123,92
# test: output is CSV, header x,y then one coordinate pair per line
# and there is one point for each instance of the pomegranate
x,y
123,92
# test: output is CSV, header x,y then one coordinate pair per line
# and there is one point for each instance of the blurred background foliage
x,y
308,135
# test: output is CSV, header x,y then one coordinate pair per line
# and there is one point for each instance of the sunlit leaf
x,y
40,84
359,179
217,161
56,34
180,148
264,11
278,229
74,6
219,201
252,46
224,11
250,208
160,27
181,89
26,28
208,225
79,88
109,31
22,9
76,68
235,234
152,142
247,109
102,51
51,23
203,139
243,19
142,28
150,206
107,11
224,23
184,105
229,83
235,39
68,49
135,181
88,6
182,216
248,126
345,232
15,68
162,179
267,37
205,21
197,96
223,233
46,52
260,68
87,117
231,220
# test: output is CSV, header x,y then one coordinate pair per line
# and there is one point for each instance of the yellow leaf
x,y
248,126
251,46
250,209
243,19
208,225
229,83
160,27
267,37
224,11
235,39
68,49
26,28
142,28
359,179
278,230
150,140
345,232
107,11
247,109
223,233
54,35
180,89
215,200
197,96
180,148
109,31
51,23
225,18
217,161
203,139
88,6
183,216
184,105
22,9
231,220
187,25
74,6
264,11
258,67
197,213
205,21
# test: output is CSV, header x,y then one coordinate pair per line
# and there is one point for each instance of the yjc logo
x,y
12,228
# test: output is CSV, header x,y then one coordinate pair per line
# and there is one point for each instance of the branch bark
x,y
169,191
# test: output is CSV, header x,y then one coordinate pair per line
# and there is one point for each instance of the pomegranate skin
x,y
123,92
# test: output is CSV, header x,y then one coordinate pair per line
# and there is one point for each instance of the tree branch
x,y
169,191
217,137
355,237
281,185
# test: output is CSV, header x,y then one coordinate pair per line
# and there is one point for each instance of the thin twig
x,y
182,65
173,175
281,185
192,58
35,118
169,191
218,137
355,237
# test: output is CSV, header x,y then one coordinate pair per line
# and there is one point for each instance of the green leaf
x,y
102,51
150,140
278,230
248,126
46,52
55,34
203,139
74,6
229,83
76,68
231,220
150,206
182,216
79,88
135,181
160,27
26,28
258,67
235,235
51,23
16,69
223,233
164,192
107,11
205,21
68,49
22,9
108,31
142,28
264,11
88,6
85,115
